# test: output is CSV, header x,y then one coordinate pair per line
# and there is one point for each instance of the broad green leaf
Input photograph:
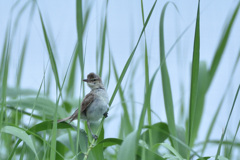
x,y
149,154
157,133
14,92
48,125
204,158
43,105
174,151
83,143
129,147
22,135
110,142
96,153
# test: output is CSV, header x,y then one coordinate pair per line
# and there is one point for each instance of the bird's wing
x,y
89,98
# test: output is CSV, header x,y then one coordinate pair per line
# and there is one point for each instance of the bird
x,y
94,105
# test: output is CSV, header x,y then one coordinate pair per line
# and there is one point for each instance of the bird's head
x,y
93,81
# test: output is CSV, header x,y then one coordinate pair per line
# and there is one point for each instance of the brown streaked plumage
x,y
94,104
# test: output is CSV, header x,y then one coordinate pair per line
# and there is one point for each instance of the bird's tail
x,y
64,119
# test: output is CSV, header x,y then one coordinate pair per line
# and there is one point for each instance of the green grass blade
x,y
147,77
194,123
4,73
167,93
213,122
224,132
80,30
234,138
146,104
50,53
71,80
222,45
103,41
131,56
128,128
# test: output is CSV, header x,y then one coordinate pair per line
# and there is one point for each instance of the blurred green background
x,y
171,69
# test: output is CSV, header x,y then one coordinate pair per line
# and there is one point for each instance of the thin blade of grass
x,y
103,41
233,141
71,80
80,30
131,56
220,104
194,123
4,73
50,53
147,77
222,45
224,132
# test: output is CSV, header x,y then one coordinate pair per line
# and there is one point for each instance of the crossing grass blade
x,y
225,129
213,122
233,141
147,77
56,75
128,128
131,56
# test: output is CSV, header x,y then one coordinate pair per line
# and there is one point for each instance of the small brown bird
x,y
94,104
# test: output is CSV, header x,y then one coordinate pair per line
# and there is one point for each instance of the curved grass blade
x,y
22,135
50,53
167,93
37,128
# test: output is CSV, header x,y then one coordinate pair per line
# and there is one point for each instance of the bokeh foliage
x,y
28,118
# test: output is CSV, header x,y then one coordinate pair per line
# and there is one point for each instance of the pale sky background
x,y
124,27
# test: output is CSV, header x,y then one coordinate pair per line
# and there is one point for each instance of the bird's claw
x,y
105,114
95,136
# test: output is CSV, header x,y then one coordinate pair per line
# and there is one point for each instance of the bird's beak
x,y
85,80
